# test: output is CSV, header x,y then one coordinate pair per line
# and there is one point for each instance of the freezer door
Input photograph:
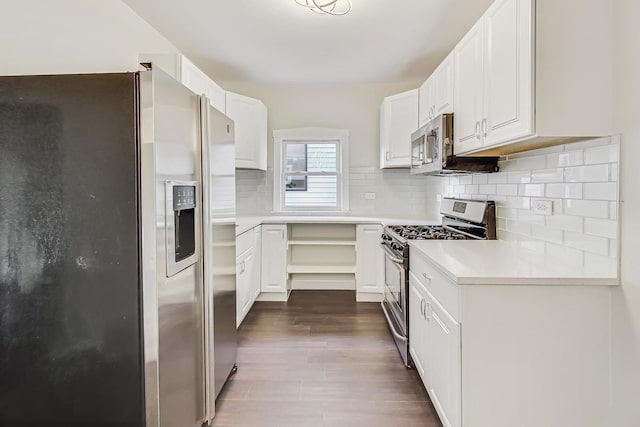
x,y
70,336
219,249
175,347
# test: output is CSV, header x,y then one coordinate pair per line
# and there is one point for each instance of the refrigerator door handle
x,y
209,388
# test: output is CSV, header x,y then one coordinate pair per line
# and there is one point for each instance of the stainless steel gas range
x,y
461,220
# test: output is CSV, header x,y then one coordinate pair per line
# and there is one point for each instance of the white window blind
x,y
309,172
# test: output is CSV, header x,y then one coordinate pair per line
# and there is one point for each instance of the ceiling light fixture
x,y
328,7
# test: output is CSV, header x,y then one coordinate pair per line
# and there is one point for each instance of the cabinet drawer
x,y
244,242
442,288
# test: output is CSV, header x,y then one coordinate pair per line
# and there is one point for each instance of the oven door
x,y
395,288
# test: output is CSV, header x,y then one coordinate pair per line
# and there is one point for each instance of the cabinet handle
x,y
478,135
387,155
422,306
426,276
282,234
485,131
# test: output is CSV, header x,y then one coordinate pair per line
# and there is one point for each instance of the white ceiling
x,y
280,42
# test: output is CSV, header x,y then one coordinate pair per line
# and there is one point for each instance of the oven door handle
x,y
390,255
391,326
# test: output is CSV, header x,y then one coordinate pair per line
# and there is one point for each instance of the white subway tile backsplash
x,y
547,234
531,190
519,202
458,189
601,227
587,208
519,177
594,173
531,218
497,178
506,213
565,222
472,189
604,154
564,191
520,228
587,243
601,191
613,172
507,189
487,189
466,179
508,165
530,163
480,178
568,158
547,175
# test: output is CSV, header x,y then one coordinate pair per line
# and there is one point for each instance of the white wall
x,y
626,299
73,36
345,106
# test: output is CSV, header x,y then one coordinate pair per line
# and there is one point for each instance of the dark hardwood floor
x,y
321,360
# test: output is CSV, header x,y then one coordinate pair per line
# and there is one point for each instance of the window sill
x,y
312,213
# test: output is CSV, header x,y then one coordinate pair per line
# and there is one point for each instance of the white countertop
x,y
246,223
497,262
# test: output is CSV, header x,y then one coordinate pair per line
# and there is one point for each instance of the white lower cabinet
x,y
442,348
274,258
509,355
369,263
418,327
248,266
434,345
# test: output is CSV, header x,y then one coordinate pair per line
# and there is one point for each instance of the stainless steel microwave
x,y
432,151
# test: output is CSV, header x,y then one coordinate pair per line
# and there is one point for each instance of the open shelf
x,y
321,269
314,241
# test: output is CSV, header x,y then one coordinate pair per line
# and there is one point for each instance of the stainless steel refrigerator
x,y
109,232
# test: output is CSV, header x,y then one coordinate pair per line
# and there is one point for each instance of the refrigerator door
x,y
219,249
174,351
70,303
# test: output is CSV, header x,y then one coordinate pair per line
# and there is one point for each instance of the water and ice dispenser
x,y
181,226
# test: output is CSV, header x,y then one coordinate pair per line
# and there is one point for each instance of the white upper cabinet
x,y
443,86
521,83
250,121
508,68
468,90
425,101
398,120
436,93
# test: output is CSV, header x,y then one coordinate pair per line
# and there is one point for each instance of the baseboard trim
x,y
324,285
369,297
273,296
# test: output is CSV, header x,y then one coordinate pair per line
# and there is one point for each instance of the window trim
x,y
307,135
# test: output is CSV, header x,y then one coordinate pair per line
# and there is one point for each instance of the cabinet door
x,y
193,78
508,71
418,328
256,273
443,86
274,258
425,101
398,120
369,259
250,121
443,350
468,90
217,96
243,286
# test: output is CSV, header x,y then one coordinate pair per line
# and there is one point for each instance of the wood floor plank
x,y
321,360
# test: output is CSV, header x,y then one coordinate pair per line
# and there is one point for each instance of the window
x,y
310,172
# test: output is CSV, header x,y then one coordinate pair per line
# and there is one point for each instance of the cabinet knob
x,y
485,131
478,135
426,276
